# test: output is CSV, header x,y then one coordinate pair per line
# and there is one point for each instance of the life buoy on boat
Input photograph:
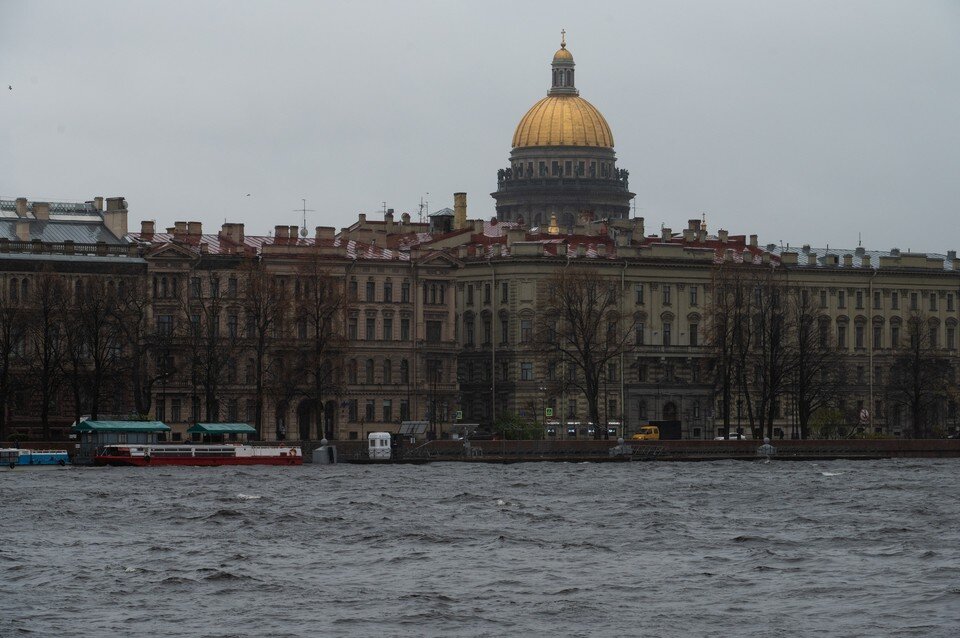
x,y
293,451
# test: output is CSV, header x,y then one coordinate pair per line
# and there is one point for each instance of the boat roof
x,y
120,426
222,428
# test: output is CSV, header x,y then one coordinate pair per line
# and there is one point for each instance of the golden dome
x,y
563,55
563,120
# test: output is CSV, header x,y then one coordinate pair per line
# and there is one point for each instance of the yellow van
x,y
647,433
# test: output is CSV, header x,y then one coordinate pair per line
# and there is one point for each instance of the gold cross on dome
x,y
563,38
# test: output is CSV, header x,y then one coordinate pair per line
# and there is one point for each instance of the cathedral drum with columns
x,y
562,161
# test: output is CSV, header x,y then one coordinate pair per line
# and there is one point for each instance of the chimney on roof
x,y
693,224
194,228
848,260
362,218
581,250
179,229
562,250
21,206
23,229
951,255
232,232
515,235
753,241
811,259
601,250
723,236
689,235
115,217
281,232
405,218
747,257
98,203
204,248
294,232
146,228
388,219
638,226
665,234
865,261
324,233
789,258
459,211
41,210
765,258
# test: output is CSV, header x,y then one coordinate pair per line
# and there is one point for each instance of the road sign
x,y
549,411
414,427
459,414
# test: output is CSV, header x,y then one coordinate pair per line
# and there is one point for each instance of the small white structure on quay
x,y
378,445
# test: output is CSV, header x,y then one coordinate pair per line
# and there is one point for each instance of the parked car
x,y
734,436
647,433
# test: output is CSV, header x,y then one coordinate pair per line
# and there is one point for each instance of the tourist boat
x,y
189,454
15,458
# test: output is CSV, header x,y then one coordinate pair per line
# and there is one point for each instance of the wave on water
x,y
249,497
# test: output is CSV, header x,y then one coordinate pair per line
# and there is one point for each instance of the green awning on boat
x,y
222,428
120,426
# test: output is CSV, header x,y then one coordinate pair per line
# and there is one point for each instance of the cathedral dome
x,y
563,120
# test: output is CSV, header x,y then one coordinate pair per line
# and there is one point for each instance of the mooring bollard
x,y
325,454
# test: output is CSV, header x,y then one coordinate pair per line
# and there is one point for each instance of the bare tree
x,y
919,374
266,305
812,381
772,343
320,315
582,324
140,344
209,353
13,331
46,341
723,314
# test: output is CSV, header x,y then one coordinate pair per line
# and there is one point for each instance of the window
x,y
405,292
611,372
693,295
370,411
387,411
175,410
841,336
368,371
194,287
951,338
231,287
404,371
950,302
666,294
404,329
913,301
352,290
933,301
388,328
860,376
638,292
895,300
934,334
894,336
642,373
859,300
666,333
504,292
232,325
504,330
387,371
877,337
526,371
468,331
841,299
487,331
877,375
823,298
434,331
638,333
694,332
161,410
233,410
486,293
858,336
404,410
352,411
526,330
196,409
371,329
352,328
388,291
571,408
642,409
371,290
165,327
876,300
469,294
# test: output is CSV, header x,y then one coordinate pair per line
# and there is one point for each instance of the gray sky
x,y
806,122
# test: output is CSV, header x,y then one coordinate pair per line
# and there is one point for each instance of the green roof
x,y
120,426
222,428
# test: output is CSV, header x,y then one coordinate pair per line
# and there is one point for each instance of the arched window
x,y
25,289
249,372
352,371
368,371
14,289
387,371
404,371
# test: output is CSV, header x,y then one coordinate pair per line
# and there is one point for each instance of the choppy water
x,y
660,549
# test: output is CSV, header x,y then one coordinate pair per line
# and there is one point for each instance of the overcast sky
x,y
803,122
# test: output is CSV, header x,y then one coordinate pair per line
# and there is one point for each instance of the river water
x,y
726,548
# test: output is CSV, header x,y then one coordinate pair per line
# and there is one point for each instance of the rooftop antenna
x,y
304,210
424,206
859,240
384,207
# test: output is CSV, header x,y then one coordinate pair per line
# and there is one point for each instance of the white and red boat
x,y
189,454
